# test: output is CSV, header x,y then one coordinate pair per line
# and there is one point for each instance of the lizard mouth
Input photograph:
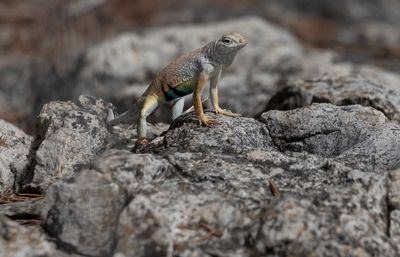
x,y
242,44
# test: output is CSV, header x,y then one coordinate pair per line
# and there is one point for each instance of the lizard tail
x,y
128,117
191,109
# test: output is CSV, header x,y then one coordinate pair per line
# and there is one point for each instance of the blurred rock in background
x,y
53,50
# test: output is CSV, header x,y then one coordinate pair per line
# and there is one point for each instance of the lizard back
x,y
179,77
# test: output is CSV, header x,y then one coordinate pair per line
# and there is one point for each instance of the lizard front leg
x,y
198,106
214,97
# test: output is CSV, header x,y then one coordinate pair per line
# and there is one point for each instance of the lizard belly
x,y
172,93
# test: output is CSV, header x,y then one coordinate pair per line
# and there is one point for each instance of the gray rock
x,y
394,189
229,136
143,230
81,214
28,209
382,94
14,149
198,204
19,241
358,136
103,193
132,170
395,225
68,137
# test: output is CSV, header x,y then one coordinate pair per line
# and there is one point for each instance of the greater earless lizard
x,y
187,74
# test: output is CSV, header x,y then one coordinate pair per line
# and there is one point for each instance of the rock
x,y
81,214
25,209
343,90
67,137
103,194
359,136
394,189
395,225
14,149
132,170
143,231
197,204
19,241
229,136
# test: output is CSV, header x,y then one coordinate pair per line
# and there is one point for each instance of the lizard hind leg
x,y
147,107
177,108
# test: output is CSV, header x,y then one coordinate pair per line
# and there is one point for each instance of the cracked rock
x,y
359,136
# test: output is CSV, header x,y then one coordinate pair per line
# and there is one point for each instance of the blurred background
x,y
59,49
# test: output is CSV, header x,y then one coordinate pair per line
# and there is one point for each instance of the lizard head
x,y
228,45
231,42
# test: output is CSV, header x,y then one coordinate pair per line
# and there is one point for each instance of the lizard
x,y
187,74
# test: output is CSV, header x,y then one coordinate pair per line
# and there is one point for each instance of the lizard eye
x,y
226,40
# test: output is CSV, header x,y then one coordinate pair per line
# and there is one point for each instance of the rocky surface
x,y
315,174
194,191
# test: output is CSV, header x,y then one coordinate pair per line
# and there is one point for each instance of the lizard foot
x,y
227,112
204,120
140,142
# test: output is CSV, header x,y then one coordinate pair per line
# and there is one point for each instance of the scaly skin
x,y
188,74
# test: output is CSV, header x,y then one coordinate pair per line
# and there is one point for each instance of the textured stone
x,y
382,94
14,149
394,189
197,204
81,214
359,136
19,241
28,209
67,137
230,135
103,193
394,231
